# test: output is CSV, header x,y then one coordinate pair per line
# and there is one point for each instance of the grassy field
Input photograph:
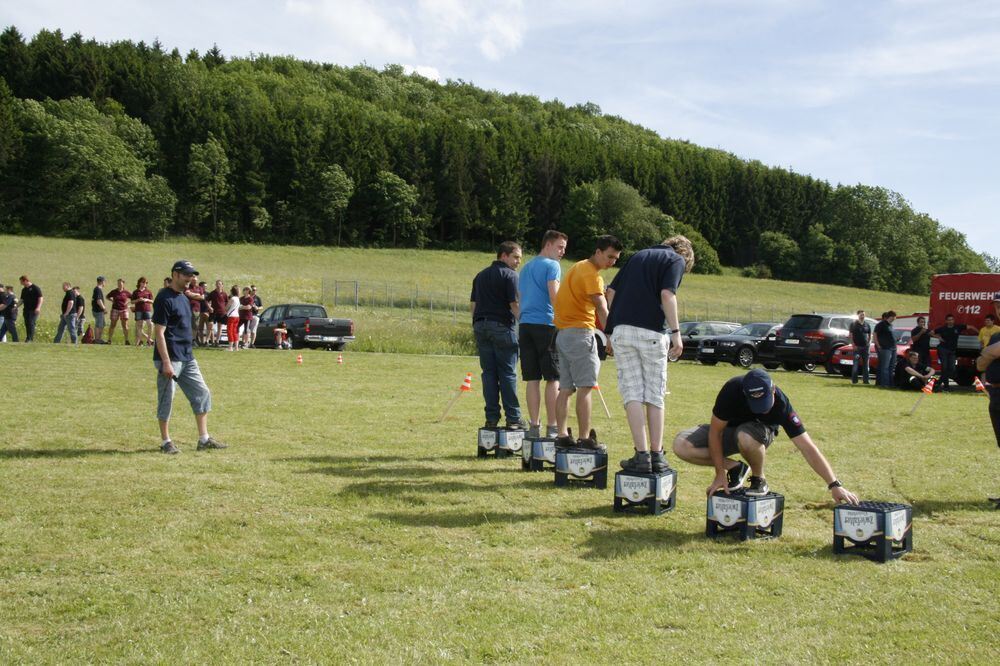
x,y
345,524
296,274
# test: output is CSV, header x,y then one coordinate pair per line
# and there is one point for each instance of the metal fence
x,y
413,300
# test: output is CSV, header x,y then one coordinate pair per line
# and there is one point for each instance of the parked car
x,y
308,326
843,357
813,338
739,347
693,331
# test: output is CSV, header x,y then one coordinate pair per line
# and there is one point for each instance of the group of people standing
x,y
234,310
562,328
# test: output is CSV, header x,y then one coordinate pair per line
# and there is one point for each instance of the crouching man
x,y
745,419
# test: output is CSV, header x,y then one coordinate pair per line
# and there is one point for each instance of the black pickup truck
x,y
308,326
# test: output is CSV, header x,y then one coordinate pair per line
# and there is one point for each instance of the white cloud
x,y
358,25
425,71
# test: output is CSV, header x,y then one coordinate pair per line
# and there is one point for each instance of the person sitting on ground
x,y
911,373
745,419
281,337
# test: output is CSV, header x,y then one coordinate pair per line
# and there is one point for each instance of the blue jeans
x,y
948,360
860,357
30,317
66,322
497,345
9,327
886,366
187,375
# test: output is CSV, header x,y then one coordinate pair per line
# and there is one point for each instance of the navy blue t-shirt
x,y
637,288
731,405
993,369
949,336
493,290
172,309
923,345
883,333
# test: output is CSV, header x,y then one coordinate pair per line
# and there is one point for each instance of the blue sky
x,y
903,94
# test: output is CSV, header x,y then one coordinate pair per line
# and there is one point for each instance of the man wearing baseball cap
x,y
989,363
745,419
174,359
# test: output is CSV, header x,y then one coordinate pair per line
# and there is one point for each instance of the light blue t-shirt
x,y
536,308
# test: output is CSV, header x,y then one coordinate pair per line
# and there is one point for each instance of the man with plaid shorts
x,y
643,303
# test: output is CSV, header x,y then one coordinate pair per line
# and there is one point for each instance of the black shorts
x,y
698,436
220,318
537,352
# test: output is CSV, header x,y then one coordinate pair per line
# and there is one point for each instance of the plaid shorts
x,y
641,357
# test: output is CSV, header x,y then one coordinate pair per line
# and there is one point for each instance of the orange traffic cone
x,y
924,392
340,359
978,384
929,386
464,388
298,359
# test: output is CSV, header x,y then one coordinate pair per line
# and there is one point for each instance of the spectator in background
x,y
205,318
885,346
988,330
166,282
119,297
495,311
861,336
31,300
67,315
580,309
233,318
911,372
3,314
920,340
195,294
254,315
218,300
81,311
246,314
947,349
281,337
98,308
538,285
142,302
10,302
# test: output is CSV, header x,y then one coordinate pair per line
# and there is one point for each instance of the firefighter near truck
x,y
968,297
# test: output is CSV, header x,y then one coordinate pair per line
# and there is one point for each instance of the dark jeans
x,y
886,366
995,410
497,345
30,317
860,361
948,360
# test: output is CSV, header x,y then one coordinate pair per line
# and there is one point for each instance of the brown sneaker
x,y
210,443
591,443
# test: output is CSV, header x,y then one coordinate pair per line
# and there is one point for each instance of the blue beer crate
x,y
501,442
645,493
746,516
582,466
880,531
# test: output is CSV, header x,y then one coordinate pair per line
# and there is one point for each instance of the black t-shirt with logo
x,y
68,301
949,336
883,333
861,334
731,406
30,297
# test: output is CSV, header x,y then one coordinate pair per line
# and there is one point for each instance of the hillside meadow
x,y
294,273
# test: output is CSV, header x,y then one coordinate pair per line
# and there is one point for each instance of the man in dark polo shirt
x,y
31,301
10,302
947,349
645,333
745,419
989,364
173,357
495,309
861,337
885,347
920,340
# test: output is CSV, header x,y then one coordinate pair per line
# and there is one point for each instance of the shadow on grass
x,y
69,453
363,460
456,520
927,508
616,543
396,488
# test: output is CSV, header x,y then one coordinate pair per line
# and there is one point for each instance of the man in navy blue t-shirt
x,y
746,417
642,324
989,363
173,357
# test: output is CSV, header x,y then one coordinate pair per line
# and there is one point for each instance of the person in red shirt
x,y
142,303
119,297
217,301
246,314
195,293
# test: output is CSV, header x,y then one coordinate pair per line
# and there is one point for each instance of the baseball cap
x,y
100,278
183,266
759,391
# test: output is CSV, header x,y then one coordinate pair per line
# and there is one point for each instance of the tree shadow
x,y
395,488
13,454
618,543
449,520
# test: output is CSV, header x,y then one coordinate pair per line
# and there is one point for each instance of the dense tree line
x,y
131,140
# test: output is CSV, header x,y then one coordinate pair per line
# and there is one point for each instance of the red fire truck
x,y
968,296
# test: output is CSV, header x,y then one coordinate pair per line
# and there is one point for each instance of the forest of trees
x,y
130,140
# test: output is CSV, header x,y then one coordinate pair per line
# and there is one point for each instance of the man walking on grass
x,y
174,359
538,285
643,325
31,301
67,315
580,307
494,311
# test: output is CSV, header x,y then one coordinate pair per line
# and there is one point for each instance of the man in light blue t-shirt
x,y
538,285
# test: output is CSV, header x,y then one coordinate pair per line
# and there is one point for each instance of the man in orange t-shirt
x,y
580,308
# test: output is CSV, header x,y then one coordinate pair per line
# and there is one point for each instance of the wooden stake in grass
x,y
925,391
464,388
606,410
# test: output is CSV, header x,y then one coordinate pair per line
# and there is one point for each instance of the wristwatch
x,y
834,484
674,330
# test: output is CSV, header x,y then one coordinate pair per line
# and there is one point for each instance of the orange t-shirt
x,y
574,307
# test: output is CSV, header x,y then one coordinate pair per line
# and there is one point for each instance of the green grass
x,y
290,273
344,524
